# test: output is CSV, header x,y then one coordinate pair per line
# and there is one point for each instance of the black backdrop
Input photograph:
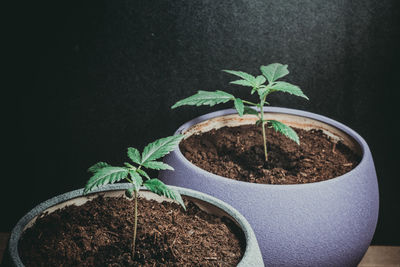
x,y
86,79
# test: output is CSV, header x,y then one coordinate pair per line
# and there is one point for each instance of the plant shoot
x,y
133,172
263,85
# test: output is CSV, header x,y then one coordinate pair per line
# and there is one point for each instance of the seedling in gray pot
x,y
104,173
263,85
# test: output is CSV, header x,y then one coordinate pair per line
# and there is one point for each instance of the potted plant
x,y
307,184
143,222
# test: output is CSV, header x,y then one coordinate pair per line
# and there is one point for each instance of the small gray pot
x,y
328,223
251,257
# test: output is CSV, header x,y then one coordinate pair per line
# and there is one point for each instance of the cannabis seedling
x,y
104,174
270,73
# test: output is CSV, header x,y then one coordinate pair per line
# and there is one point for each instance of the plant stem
x,y
265,141
135,226
263,127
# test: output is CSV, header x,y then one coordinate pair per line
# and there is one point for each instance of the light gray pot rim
x,y
361,142
251,254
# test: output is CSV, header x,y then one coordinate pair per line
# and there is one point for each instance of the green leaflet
x,y
158,187
128,165
134,155
143,173
205,98
260,80
239,106
243,83
249,110
137,180
256,82
99,165
157,165
287,88
160,148
274,71
285,130
106,175
245,76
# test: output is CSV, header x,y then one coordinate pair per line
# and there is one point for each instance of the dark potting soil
x,y
238,153
99,233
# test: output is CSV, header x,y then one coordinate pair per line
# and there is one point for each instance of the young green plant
x,y
104,173
263,85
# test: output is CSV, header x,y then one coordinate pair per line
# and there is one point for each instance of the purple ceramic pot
x,y
329,223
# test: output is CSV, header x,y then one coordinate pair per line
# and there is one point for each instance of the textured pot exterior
x,y
251,257
329,223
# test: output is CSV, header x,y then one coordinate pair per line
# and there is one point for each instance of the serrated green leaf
x,y
260,80
134,155
243,83
239,106
274,71
285,130
160,148
99,165
158,187
143,173
287,88
137,180
249,110
157,165
245,76
205,98
129,165
105,175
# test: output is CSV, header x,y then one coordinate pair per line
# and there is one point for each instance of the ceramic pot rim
x,y
354,135
251,253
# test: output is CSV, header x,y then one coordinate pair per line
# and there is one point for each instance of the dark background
x,y
86,79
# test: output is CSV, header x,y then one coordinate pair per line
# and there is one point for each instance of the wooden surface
x,y
381,256
376,256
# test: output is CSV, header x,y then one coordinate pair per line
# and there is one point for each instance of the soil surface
x,y
238,153
99,233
